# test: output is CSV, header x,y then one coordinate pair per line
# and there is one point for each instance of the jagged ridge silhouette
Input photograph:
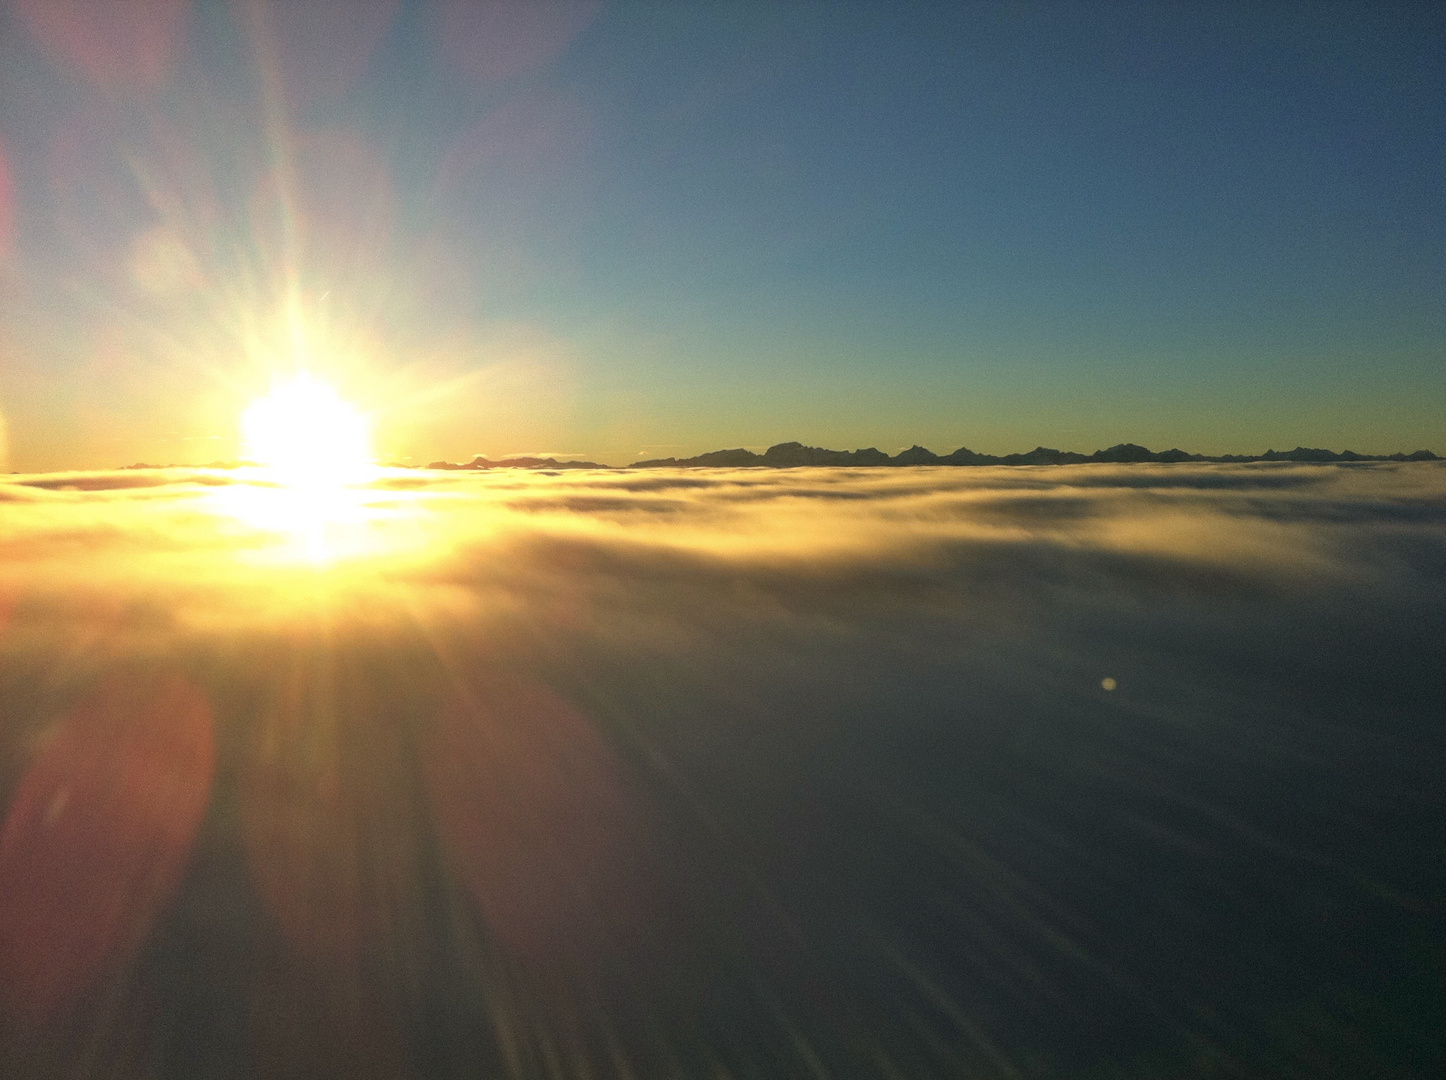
x,y
796,455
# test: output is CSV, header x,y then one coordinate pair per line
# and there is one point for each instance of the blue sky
x,y
663,228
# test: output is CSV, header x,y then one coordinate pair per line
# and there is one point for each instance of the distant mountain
x,y
208,465
480,462
792,455
787,455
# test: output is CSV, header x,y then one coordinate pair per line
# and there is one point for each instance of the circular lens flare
x,y
306,434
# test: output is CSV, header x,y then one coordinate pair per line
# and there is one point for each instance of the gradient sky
x,y
627,230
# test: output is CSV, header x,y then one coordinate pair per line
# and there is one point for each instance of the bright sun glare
x,y
315,449
305,433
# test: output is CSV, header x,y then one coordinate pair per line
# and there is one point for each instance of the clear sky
x,y
623,230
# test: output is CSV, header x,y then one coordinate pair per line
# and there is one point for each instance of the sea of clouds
x,y
1072,771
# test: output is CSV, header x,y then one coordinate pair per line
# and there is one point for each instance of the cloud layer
x,y
760,771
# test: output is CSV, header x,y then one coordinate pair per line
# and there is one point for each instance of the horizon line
x,y
797,455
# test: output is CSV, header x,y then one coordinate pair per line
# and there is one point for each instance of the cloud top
x,y
813,765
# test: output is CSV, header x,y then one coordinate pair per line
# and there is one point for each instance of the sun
x,y
315,456
306,434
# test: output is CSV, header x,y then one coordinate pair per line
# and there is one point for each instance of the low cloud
x,y
772,769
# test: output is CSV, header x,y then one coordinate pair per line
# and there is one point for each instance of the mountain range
x,y
794,455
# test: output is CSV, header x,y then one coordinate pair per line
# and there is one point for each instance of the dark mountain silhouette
x,y
787,455
1043,455
480,462
792,455
1121,452
208,465
915,455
